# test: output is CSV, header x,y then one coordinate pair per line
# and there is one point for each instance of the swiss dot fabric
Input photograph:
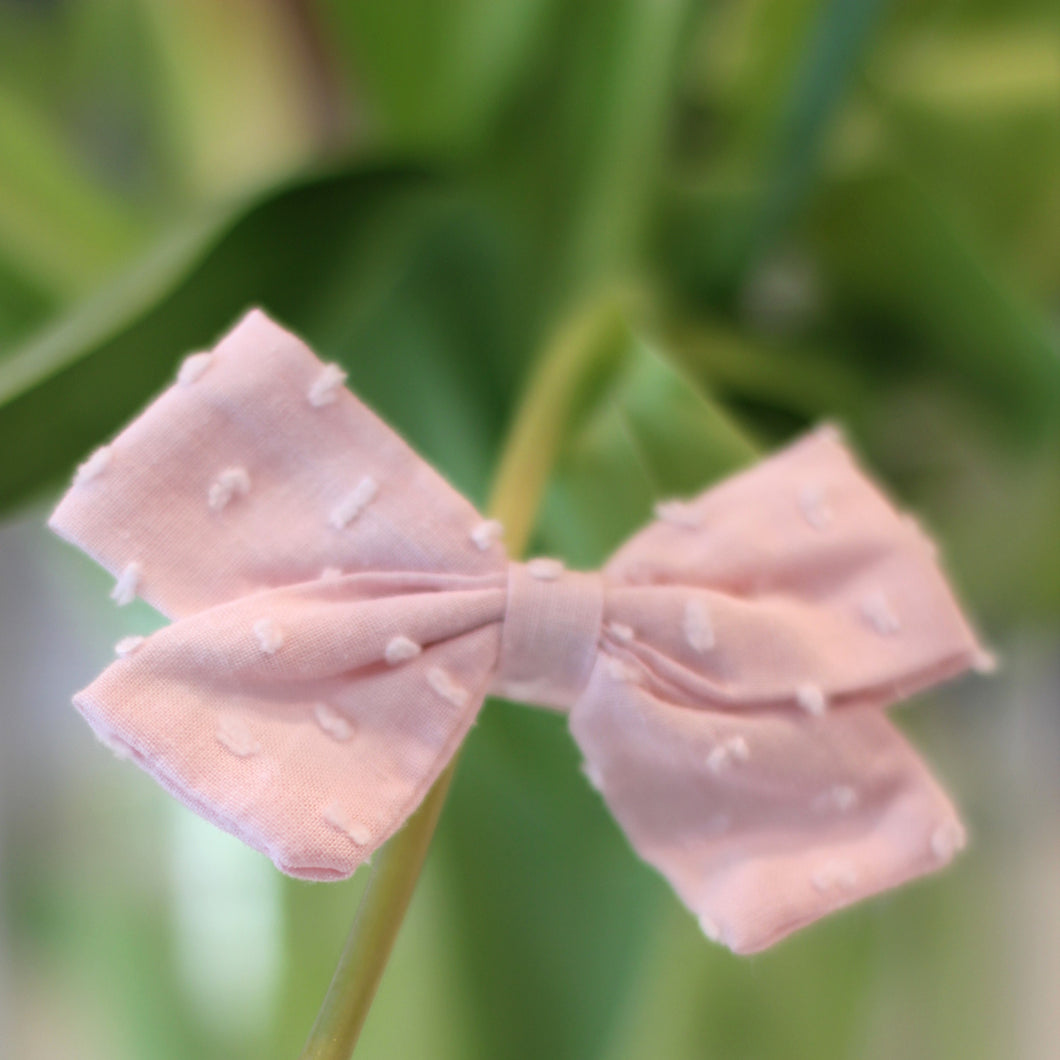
x,y
340,613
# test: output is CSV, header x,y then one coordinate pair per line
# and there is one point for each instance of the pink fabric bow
x,y
341,613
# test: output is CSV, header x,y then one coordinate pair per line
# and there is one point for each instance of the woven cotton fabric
x,y
340,613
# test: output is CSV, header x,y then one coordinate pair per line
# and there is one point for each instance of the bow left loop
x,y
297,539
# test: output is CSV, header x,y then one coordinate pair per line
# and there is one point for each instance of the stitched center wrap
x,y
550,636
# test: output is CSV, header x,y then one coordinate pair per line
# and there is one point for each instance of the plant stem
x,y
383,906
563,380
565,370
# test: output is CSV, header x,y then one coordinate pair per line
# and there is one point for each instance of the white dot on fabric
x,y
269,634
814,507
351,506
127,645
985,662
93,467
117,746
487,534
840,797
326,386
698,628
127,585
232,482
835,875
717,759
710,928
593,775
618,670
876,610
193,368
677,513
401,649
336,725
234,735
812,699
339,819
526,691
545,569
946,840
734,749
441,681
620,631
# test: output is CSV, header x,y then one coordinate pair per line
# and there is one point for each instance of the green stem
x,y
565,370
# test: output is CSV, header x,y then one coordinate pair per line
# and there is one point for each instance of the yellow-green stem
x,y
565,370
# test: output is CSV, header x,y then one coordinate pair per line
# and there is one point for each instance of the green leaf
x,y
437,71
548,900
645,433
894,254
694,1000
976,111
382,268
799,60
795,382
836,44
629,85
62,229
238,105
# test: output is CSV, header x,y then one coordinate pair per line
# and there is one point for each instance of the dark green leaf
x,y
383,269
645,434
895,255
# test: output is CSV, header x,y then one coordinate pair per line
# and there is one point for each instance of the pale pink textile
x,y
340,613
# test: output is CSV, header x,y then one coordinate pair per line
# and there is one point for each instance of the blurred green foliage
x,y
800,208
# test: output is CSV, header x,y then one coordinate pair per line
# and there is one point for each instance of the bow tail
x,y
763,820
274,741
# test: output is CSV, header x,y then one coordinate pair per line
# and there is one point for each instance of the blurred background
x,y
755,214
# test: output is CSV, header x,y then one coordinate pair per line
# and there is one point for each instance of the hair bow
x,y
340,613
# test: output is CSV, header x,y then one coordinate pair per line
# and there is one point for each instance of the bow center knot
x,y
551,631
